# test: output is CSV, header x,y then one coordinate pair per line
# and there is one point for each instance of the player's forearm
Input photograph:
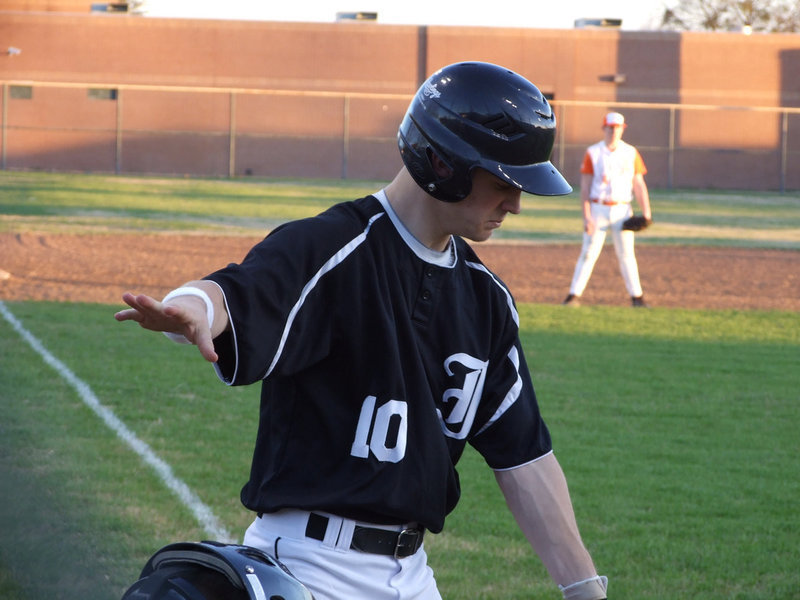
x,y
586,202
644,205
538,497
586,208
642,196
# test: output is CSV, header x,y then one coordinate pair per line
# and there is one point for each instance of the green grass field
x,y
99,203
677,429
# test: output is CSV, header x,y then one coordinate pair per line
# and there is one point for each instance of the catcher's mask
x,y
476,114
215,571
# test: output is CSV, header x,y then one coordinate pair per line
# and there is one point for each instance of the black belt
x,y
370,539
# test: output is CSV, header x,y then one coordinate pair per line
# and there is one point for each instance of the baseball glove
x,y
636,223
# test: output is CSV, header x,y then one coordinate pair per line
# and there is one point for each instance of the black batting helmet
x,y
476,114
215,571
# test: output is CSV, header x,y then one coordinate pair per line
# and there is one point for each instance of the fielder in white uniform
x,y
612,174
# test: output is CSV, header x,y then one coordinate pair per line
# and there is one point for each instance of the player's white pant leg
x,y
332,571
590,251
627,263
624,248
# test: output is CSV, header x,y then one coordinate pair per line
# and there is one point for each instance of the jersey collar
x,y
445,258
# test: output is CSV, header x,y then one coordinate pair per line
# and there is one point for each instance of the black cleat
x,y
572,300
638,302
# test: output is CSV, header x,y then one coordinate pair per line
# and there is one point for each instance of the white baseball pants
x,y
334,571
608,218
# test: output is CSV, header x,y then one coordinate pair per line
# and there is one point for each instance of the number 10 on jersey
x,y
377,428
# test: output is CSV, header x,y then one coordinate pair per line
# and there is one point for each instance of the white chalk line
x,y
192,501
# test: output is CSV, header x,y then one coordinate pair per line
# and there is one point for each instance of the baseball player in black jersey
x,y
383,345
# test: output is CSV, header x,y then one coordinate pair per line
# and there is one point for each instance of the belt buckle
x,y
415,534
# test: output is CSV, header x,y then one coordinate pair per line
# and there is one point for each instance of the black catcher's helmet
x,y
476,114
215,571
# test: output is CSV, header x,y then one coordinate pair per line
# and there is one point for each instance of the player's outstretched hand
x,y
187,318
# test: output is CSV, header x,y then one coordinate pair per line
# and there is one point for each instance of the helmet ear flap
x,y
434,171
440,166
447,186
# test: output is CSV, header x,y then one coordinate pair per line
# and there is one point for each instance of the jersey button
x,y
426,295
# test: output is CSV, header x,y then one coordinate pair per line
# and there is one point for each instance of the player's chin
x,y
480,236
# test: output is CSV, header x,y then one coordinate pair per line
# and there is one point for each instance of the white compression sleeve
x,y
189,291
593,588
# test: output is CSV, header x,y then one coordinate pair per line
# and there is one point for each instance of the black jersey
x,y
380,360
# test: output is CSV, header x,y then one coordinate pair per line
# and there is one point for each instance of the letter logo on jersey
x,y
463,401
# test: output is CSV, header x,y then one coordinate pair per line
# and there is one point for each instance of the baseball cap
x,y
614,118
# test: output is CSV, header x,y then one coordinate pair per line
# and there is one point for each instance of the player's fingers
x,y
143,301
129,314
140,302
152,314
129,299
205,344
134,313
209,354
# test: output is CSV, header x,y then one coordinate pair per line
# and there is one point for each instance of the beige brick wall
x,y
356,79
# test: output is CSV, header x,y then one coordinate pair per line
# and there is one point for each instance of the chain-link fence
x,y
233,132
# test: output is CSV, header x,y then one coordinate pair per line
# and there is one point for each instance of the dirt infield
x,y
99,268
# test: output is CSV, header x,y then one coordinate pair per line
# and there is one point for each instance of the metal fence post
x,y
561,143
346,136
118,134
784,147
232,136
5,124
671,150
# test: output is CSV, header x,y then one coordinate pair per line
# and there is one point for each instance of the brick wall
x,y
344,87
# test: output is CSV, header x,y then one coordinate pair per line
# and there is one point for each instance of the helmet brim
x,y
540,179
